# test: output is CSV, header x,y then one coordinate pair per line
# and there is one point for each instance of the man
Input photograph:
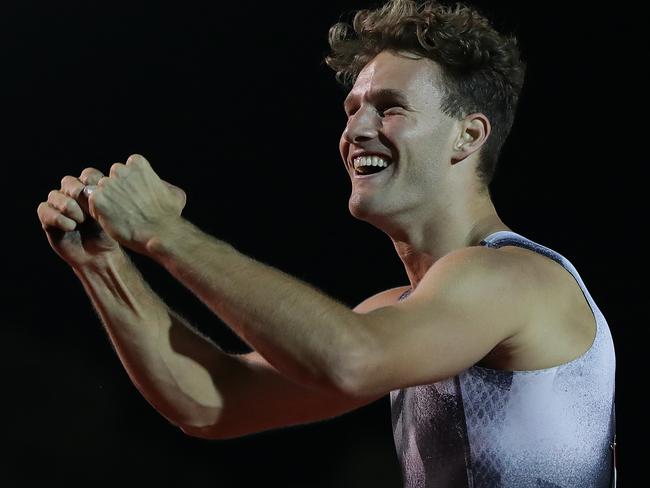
x,y
499,365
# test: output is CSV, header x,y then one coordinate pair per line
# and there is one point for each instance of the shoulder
x,y
465,305
486,271
476,267
508,266
502,289
556,321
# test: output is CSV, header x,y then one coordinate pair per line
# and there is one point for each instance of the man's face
x,y
394,120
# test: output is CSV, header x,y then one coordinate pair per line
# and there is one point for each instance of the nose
x,y
362,126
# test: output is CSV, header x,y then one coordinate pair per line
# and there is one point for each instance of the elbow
x,y
356,373
352,376
205,432
207,426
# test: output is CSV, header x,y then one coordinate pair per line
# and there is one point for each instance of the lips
x,y
377,174
364,163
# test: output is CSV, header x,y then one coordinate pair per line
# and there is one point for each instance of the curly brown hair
x,y
482,70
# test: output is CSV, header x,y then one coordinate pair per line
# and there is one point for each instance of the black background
x,y
234,104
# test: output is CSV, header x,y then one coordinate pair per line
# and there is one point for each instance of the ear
x,y
474,131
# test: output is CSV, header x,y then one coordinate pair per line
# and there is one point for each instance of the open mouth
x,y
368,165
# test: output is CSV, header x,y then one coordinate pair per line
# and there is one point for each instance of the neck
x,y
420,244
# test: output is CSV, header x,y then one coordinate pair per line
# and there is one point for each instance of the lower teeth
x,y
368,171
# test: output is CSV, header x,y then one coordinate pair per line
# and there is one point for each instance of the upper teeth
x,y
370,161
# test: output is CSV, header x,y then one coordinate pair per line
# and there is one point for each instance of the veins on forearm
x,y
300,330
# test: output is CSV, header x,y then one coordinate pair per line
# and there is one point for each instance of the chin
x,y
363,209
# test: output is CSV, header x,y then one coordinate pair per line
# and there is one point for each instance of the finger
x,y
137,159
89,190
117,169
71,186
86,197
66,205
52,219
89,195
90,176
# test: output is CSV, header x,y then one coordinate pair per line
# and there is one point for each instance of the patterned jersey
x,y
546,428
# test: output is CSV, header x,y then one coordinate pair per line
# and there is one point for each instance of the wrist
x,y
182,240
168,236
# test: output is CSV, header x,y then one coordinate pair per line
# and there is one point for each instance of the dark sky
x,y
234,104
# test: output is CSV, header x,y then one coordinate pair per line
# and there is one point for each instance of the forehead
x,y
413,76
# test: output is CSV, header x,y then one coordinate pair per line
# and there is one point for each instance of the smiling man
x,y
499,365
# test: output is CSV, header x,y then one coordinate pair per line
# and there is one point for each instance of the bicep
x,y
460,311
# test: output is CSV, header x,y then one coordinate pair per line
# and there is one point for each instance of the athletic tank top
x,y
487,428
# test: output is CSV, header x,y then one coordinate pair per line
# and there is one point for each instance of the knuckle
x,y
40,210
47,215
89,175
66,180
60,219
68,206
135,159
116,169
95,199
71,186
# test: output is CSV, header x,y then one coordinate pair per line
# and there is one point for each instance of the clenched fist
x,y
71,232
133,205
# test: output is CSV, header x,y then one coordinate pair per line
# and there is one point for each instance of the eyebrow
x,y
383,95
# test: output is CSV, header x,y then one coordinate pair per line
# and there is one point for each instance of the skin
x,y
433,202
314,357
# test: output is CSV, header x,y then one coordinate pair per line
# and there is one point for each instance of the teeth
x,y
370,161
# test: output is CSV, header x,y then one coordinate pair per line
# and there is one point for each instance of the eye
x,y
392,109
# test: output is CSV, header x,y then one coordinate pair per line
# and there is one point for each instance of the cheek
x,y
344,147
397,130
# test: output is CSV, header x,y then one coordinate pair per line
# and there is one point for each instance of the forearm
x,y
307,336
172,365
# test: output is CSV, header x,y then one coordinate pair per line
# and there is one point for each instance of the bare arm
x,y
172,365
262,399
285,402
167,361
187,378
467,303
